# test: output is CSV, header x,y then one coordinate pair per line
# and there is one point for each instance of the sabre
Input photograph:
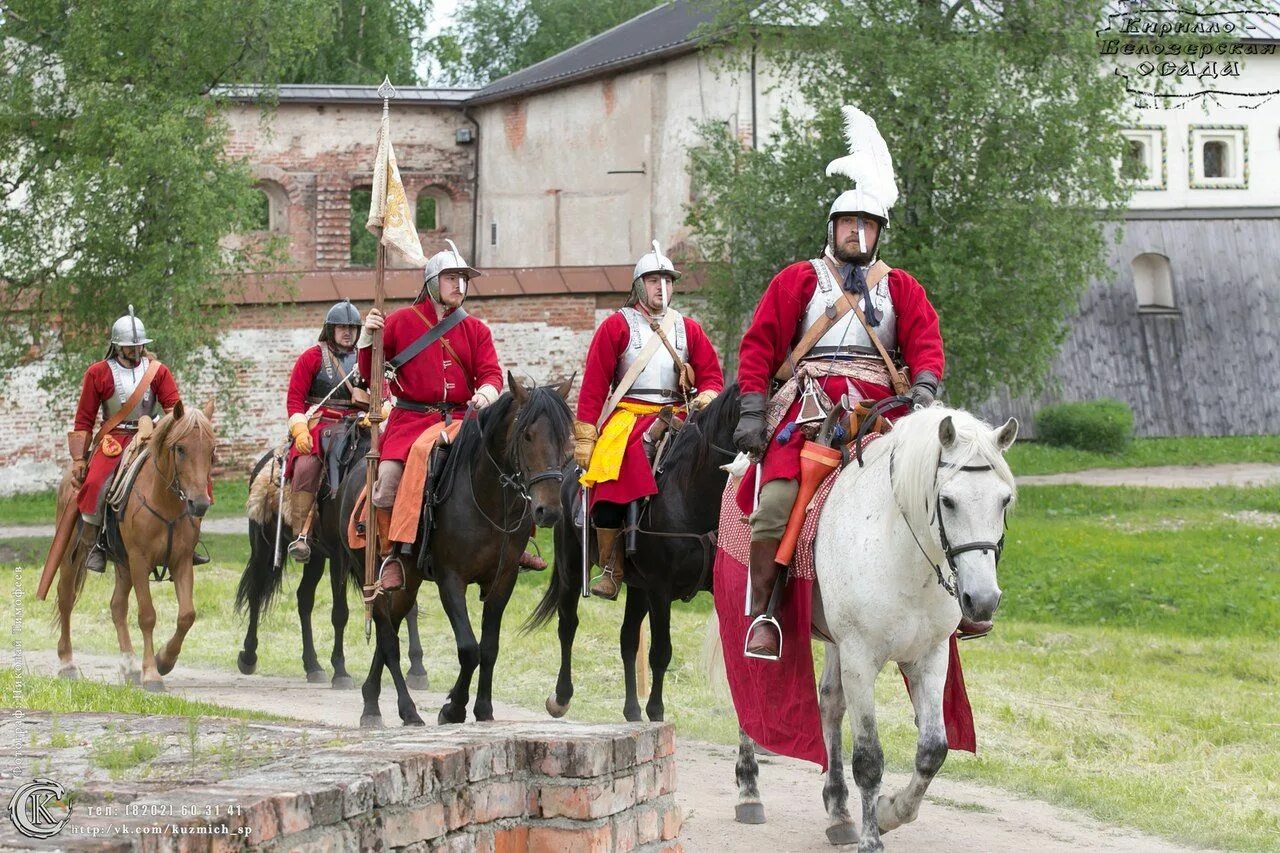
x,y
586,541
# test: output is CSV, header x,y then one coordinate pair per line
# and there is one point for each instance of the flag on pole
x,y
390,208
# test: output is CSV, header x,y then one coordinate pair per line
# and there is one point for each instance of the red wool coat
x,y
438,374
776,328
304,373
635,478
100,385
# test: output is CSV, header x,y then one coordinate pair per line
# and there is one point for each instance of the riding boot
x,y
530,562
610,580
391,575
764,640
96,558
300,506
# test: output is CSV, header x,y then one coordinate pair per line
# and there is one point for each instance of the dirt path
x,y
957,814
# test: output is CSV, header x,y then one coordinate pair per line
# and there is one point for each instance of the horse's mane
x,y
691,446
915,448
475,434
171,429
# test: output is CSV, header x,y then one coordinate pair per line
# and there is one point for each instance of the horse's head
x,y
539,441
183,449
950,475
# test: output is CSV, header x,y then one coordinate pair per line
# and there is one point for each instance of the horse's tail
x,y
261,580
713,658
547,607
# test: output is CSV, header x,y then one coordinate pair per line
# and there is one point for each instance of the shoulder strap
x,y
335,367
841,307
682,369
427,338
136,397
629,378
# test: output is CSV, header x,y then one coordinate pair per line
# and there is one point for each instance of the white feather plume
x,y
868,163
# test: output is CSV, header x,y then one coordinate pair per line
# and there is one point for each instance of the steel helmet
x,y
128,331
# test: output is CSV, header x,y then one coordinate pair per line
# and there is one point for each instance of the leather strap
x,y
895,376
129,405
427,338
815,332
629,378
682,369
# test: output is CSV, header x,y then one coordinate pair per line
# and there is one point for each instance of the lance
x,y
376,379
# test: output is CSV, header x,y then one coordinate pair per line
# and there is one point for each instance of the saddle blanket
x,y
408,506
777,701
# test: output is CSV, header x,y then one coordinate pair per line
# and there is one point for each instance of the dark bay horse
x,y
502,476
262,581
675,548
159,526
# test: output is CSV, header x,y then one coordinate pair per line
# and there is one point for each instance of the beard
x,y
851,255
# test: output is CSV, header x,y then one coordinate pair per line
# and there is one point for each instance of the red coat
x,y
304,373
98,386
776,328
635,478
435,375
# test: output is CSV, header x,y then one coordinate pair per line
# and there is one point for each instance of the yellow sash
x,y
606,459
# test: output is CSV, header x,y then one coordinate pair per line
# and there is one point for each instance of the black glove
x,y
924,390
750,436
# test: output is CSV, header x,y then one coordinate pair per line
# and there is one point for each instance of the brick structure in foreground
x,y
500,787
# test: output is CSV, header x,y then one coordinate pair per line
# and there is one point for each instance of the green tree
x,y
114,185
490,39
1004,129
365,41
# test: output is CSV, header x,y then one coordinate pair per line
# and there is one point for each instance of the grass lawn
x,y
1031,457
229,494
1134,672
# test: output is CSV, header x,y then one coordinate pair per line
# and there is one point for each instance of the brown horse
x,y
160,525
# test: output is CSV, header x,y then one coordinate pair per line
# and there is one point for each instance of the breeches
x,y
307,471
770,518
388,483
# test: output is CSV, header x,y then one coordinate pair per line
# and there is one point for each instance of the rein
x,y
949,551
161,572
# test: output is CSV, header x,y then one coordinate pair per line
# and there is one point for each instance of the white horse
x,y
905,545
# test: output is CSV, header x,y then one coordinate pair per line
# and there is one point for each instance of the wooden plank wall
x,y
1208,369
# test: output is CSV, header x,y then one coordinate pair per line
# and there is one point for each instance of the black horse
x,y
500,478
675,548
261,581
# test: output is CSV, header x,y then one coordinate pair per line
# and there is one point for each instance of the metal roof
x,y
311,93
664,31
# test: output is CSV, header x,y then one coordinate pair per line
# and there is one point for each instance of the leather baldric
x,y
683,371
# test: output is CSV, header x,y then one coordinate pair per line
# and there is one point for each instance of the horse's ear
x,y
179,411
947,432
565,387
517,390
208,409
1006,434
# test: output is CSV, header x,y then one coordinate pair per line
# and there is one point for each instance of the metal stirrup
x,y
767,618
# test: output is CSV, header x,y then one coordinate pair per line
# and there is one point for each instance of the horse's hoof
x,y
447,717
632,715
156,686
371,721
485,716
415,720
163,666
70,672
317,676
342,682
555,709
842,833
654,716
752,813
418,682
246,664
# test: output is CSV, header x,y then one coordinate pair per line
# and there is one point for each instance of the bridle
x,y
512,478
950,552
174,487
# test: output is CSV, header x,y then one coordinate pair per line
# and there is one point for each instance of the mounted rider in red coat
x,y
844,360
643,357
459,369
324,387
108,385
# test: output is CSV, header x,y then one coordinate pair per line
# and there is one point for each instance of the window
x,y
1153,281
424,218
260,212
364,246
1219,157
269,207
1142,162
493,233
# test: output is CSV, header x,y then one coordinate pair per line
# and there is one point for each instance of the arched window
x,y
1153,280
432,210
260,214
270,210
364,246
424,218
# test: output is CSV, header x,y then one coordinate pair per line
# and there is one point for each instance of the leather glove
x,y
584,443
301,437
750,437
701,401
78,468
924,390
